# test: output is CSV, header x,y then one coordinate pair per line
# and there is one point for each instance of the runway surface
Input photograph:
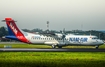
x,y
50,50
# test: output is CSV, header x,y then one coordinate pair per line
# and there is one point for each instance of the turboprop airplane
x,y
58,40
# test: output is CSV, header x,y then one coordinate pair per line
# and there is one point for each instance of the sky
x,y
68,14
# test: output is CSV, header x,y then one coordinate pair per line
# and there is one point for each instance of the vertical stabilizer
x,y
14,32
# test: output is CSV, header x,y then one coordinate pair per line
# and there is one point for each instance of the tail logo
x,y
13,28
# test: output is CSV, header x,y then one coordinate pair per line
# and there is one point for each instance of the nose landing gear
x,y
97,46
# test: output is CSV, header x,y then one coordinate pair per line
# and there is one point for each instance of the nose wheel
x,y
97,46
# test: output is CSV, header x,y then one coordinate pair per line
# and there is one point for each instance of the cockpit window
x,y
94,38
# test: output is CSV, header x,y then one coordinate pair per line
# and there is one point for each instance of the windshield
x,y
94,37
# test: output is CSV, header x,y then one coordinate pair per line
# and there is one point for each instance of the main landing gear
x,y
59,46
54,46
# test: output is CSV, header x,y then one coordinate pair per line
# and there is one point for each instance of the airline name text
x,y
13,28
77,39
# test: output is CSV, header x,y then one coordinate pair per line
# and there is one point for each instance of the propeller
x,y
63,34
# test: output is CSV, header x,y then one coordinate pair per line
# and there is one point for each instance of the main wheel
x,y
59,46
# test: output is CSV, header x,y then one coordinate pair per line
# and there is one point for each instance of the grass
x,y
52,59
22,45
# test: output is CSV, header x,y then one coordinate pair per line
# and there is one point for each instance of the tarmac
x,y
51,50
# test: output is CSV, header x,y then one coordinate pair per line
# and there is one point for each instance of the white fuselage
x,y
69,40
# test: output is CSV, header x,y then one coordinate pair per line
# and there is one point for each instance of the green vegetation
x,y
3,31
52,59
99,34
22,45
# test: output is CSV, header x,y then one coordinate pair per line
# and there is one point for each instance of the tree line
x,y
99,34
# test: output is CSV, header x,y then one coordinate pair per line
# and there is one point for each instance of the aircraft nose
x,y
102,42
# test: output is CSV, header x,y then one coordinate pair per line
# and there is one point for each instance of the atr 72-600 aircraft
x,y
58,40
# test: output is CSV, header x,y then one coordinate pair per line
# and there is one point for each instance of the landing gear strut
x,y
53,46
97,46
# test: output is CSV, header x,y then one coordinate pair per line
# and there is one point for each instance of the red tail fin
x,y
14,30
